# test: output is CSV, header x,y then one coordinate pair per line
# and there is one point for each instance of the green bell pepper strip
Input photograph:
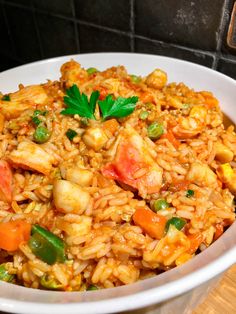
x,y
47,246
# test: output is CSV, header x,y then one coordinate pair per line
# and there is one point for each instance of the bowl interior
x,y
203,267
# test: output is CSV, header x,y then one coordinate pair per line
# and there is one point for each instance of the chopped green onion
x,y
177,222
185,106
41,134
143,115
71,134
91,71
50,283
155,130
40,112
135,79
6,98
92,287
4,275
189,193
160,204
47,246
36,120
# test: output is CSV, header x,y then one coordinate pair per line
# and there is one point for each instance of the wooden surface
x,y
222,299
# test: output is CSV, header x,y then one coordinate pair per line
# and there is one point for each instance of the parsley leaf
x,y
6,98
119,108
71,134
78,103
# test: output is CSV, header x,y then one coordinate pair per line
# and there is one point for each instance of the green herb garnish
x,y
36,120
189,193
6,98
71,134
78,103
119,108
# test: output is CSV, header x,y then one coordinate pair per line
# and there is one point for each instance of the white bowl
x,y
196,273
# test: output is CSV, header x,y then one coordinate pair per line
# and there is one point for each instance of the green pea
x,y
189,193
41,135
143,115
155,130
135,79
179,223
92,287
4,275
160,204
91,71
71,134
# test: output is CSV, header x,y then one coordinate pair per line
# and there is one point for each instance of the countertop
x,y
222,299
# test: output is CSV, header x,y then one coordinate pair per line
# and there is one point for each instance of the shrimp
x,y
72,73
201,174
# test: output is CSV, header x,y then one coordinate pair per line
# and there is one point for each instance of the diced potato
x,y
201,174
32,93
29,155
156,79
80,176
223,153
70,197
227,175
95,138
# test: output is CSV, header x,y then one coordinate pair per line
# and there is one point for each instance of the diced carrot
x,y
219,230
152,223
171,138
13,233
179,185
110,125
146,97
5,182
195,241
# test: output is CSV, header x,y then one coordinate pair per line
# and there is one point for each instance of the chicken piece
x,y
81,227
133,164
29,155
70,197
32,93
228,176
25,98
72,73
95,138
201,174
223,153
80,176
5,182
157,79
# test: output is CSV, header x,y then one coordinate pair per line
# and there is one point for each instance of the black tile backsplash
x,y
169,50
227,67
63,7
110,13
94,39
191,23
60,39
193,30
23,32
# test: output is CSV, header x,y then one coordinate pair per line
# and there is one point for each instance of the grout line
x,y
37,30
12,42
77,37
221,31
132,22
197,50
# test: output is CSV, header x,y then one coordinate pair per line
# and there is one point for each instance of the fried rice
x,y
98,192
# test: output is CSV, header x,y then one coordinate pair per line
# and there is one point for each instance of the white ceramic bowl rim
x,y
216,259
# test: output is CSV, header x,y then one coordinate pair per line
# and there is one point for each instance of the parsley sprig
x,y
78,103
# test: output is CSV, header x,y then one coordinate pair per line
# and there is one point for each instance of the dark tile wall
x,y
193,30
